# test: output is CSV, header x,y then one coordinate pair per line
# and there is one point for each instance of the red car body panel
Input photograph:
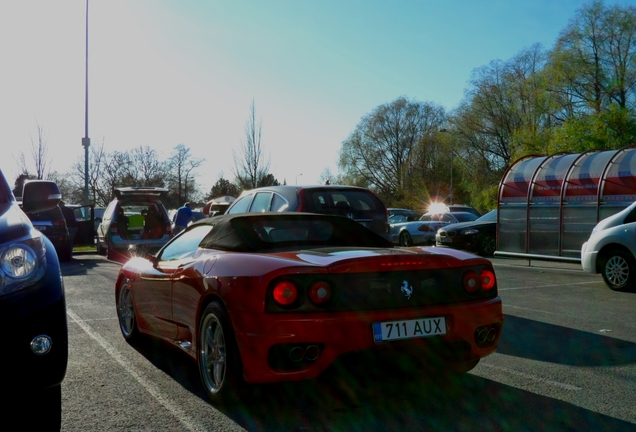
x,y
170,296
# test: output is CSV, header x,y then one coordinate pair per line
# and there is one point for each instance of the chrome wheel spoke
x,y
213,354
617,271
126,311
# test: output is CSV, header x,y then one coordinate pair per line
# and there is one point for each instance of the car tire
x,y
218,357
126,312
618,268
101,250
110,253
487,245
405,239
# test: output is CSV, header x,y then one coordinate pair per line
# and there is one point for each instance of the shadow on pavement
x,y
535,340
377,396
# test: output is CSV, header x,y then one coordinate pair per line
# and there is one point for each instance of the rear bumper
x,y
351,332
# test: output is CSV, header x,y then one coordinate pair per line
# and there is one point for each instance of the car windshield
x,y
186,244
491,216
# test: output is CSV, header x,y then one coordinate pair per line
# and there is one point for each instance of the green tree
x,y
223,187
381,153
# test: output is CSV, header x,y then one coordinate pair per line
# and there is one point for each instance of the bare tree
x,y
327,177
39,155
250,166
149,169
182,165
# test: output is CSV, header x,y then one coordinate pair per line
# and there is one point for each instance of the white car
x,y
611,249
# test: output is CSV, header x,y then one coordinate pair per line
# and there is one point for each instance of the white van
x,y
611,249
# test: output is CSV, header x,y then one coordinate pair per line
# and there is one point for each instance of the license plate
x,y
409,329
445,240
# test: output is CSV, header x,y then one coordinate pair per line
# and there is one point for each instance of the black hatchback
x,y
52,224
32,309
353,202
478,236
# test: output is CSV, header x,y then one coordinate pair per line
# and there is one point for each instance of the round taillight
x,y
487,279
470,282
285,293
319,293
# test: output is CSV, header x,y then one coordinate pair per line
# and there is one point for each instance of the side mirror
x,y
40,195
141,251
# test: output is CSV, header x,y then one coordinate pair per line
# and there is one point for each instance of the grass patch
x,y
87,248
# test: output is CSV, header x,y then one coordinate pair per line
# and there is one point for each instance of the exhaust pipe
x,y
296,354
312,352
299,353
482,334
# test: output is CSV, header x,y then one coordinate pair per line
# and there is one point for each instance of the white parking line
x,y
547,286
154,391
532,377
95,319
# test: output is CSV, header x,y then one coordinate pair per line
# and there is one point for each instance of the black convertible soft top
x,y
253,232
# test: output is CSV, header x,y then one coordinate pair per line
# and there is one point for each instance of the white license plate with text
x,y
409,329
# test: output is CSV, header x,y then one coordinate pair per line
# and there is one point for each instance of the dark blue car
x,y
34,351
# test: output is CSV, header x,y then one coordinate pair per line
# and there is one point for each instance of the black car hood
x,y
463,225
13,222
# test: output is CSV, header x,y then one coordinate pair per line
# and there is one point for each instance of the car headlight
x,y
470,231
22,263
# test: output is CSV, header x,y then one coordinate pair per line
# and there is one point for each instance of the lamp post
x,y
86,141
451,166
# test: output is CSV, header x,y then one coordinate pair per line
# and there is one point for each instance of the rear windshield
x,y
327,201
55,214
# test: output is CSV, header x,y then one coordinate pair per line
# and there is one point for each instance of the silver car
x,y
611,248
422,231
135,217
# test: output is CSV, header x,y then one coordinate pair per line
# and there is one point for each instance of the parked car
x,y
478,236
355,203
463,208
218,205
32,308
52,224
442,207
286,294
402,215
611,249
87,219
135,217
422,231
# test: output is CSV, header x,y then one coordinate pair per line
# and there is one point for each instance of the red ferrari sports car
x,y
269,297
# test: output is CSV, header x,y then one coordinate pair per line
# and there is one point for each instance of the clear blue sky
x,y
168,72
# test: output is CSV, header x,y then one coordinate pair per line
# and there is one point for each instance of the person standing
x,y
182,219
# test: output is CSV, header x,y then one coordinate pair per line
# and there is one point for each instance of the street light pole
x,y
86,141
451,167
451,179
